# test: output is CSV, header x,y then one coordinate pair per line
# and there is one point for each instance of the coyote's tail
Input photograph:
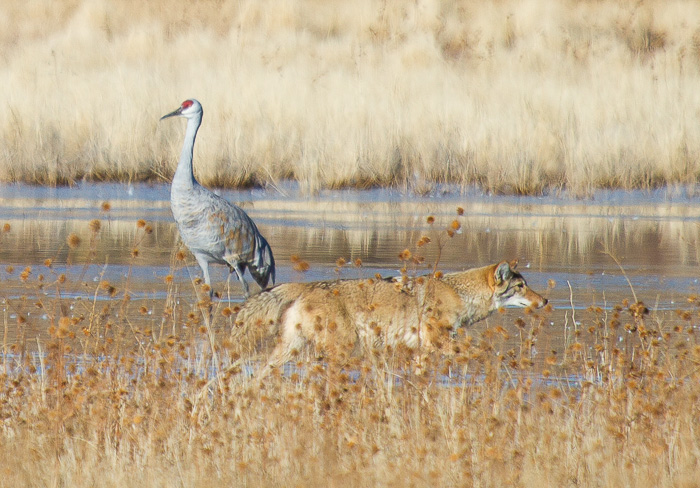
x,y
260,316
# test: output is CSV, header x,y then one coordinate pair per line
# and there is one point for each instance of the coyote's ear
x,y
502,273
514,264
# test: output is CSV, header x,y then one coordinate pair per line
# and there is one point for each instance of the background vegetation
x,y
515,96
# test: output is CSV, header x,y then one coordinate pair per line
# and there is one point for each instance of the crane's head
x,y
189,108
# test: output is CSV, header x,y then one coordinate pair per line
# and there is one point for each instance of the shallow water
x,y
654,236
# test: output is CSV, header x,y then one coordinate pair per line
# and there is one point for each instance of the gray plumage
x,y
215,230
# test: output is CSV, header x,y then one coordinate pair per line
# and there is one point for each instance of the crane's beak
x,y
172,114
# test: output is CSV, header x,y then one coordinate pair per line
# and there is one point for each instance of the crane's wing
x,y
244,245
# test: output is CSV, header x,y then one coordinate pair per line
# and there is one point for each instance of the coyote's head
x,y
510,288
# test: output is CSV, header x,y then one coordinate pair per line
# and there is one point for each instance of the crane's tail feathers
x,y
262,269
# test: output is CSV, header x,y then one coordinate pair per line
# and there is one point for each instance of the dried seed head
x,y
63,327
73,241
405,255
95,225
430,219
140,223
455,225
106,207
340,262
299,264
24,275
358,263
460,211
180,255
48,262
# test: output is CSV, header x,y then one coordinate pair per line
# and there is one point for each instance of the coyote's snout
x,y
349,316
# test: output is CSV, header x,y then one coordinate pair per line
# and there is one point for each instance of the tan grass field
x,y
515,96
118,391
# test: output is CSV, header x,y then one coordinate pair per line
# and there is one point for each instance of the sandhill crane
x,y
215,230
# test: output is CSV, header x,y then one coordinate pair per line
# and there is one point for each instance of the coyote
x,y
351,316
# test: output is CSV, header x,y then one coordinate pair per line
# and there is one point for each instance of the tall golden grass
x,y
514,96
125,390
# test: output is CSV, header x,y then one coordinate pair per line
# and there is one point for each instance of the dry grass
x,y
114,391
515,96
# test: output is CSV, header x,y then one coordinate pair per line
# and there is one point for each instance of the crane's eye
x,y
187,104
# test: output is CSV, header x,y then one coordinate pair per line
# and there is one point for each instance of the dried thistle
x,y
299,264
73,241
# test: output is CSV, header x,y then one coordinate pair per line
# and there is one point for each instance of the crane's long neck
x,y
184,175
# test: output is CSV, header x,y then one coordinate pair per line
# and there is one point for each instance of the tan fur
x,y
346,317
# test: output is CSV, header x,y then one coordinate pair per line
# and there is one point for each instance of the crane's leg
x,y
239,272
204,264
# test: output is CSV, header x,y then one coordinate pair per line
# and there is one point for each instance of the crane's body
x,y
212,228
